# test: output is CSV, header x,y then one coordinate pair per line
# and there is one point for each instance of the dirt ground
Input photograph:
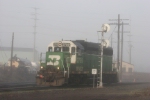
x,y
127,92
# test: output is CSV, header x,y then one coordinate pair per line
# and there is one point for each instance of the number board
x,y
61,44
94,71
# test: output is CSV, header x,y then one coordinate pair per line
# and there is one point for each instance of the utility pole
x,y
121,58
118,42
118,37
130,47
12,51
130,52
35,21
121,53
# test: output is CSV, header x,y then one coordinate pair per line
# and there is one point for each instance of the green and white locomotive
x,y
72,62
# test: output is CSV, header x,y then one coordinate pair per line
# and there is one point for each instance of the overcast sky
x,y
74,20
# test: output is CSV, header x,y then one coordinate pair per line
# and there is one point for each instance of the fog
x,y
74,20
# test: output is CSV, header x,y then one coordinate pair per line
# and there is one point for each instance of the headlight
x,y
41,67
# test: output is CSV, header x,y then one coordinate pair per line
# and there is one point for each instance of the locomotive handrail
x,y
67,65
63,67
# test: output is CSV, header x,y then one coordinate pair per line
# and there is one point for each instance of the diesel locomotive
x,y
72,61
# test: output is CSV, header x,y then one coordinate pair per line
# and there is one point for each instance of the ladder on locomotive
x,y
99,64
98,69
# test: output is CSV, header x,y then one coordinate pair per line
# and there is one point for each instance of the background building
x,y
127,74
25,53
126,67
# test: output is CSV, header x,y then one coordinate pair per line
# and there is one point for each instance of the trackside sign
x,y
94,71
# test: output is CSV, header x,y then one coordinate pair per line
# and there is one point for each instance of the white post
x,y
105,28
101,67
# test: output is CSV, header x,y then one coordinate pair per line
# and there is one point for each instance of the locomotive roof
x,y
93,46
88,44
78,45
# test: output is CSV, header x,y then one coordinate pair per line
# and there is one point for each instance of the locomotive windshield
x,y
57,49
65,49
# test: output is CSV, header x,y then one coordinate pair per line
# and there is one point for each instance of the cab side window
x,y
73,50
79,51
50,49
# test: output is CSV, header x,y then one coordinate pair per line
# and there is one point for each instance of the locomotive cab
x,y
72,47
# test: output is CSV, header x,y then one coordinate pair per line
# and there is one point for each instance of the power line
x,y
35,25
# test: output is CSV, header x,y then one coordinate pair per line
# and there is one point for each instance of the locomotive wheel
x,y
77,80
74,79
83,79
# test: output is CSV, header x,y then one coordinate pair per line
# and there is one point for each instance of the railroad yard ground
x,y
116,92
112,92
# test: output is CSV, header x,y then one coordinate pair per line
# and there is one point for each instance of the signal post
x,y
105,28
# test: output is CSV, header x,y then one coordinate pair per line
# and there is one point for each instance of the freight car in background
x,y
22,70
72,62
23,64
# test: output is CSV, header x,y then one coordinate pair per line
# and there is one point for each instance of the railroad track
x,y
19,84
126,83
4,86
28,86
